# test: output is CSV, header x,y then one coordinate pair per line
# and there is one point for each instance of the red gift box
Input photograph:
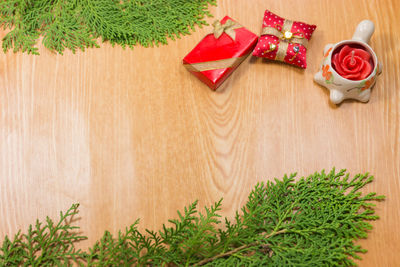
x,y
220,53
284,40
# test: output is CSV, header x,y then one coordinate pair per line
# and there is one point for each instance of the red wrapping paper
x,y
266,42
213,60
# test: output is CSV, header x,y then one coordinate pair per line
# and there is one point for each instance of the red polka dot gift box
x,y
284,40
220,52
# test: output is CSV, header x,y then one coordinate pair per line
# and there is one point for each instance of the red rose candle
x,y
350,67
352,62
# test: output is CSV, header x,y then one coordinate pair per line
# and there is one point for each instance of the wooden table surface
x,y
131,134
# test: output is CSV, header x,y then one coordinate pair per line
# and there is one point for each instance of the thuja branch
x,y
66,24
47,243
238,249
311,221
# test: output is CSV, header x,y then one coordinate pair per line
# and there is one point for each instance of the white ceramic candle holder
x,y
341,88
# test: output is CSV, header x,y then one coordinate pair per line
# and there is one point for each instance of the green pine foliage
x,y
76,24
48,244
312,221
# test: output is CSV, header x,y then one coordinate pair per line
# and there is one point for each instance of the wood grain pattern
x,y
130,133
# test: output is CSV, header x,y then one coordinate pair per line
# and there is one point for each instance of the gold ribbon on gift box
x,y
216,64
229,28
286,37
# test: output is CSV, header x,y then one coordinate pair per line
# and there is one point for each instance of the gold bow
x,y
286,36
228,28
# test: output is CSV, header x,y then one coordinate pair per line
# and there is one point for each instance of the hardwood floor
x,y
131,134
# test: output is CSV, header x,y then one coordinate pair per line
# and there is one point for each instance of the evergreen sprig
x,y
49,244
76,24
313,221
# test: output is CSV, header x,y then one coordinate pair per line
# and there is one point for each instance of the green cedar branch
x,y
310,221
238,249
77,24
